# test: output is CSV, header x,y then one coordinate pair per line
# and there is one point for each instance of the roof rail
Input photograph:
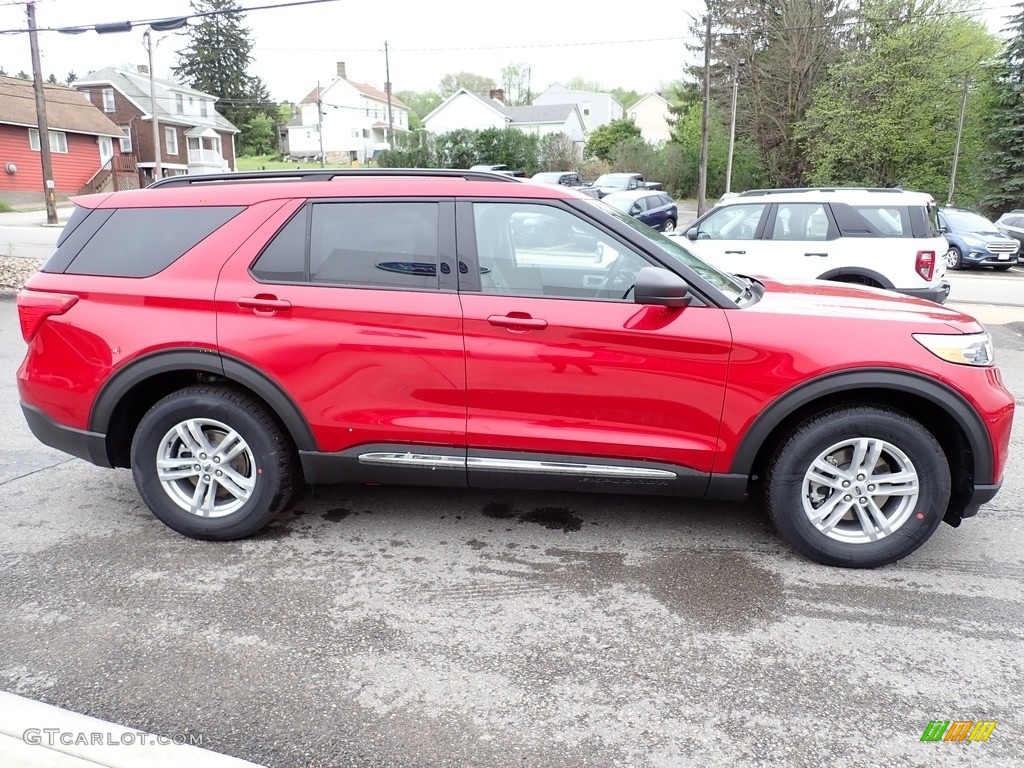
x,y
819,189
325,174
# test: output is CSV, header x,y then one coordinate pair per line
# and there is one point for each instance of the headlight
x,y
964,349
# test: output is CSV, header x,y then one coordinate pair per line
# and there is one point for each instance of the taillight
x,y
34,307
925,264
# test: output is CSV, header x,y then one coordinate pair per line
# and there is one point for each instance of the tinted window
x,y
284,258
139,242
83,224
375,244
877,221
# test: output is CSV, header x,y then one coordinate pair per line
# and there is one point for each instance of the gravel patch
x,y
14,271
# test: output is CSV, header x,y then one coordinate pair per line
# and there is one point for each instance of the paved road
x,y
402,627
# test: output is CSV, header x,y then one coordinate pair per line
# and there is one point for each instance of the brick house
x,y
82,142
194,137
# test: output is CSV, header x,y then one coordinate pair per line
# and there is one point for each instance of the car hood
x,y
992,234
823,297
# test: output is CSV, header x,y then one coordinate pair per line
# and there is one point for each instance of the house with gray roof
x,y
194,138
465,109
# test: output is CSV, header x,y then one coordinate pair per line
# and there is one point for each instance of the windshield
x,y
553,178
733,287
966,221
612,180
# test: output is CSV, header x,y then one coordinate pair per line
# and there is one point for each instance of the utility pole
x,y
158,168
732,124
320,122
702,190
49,190
959,134
387,88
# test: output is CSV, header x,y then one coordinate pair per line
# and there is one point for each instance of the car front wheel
x,y
211,463
857,487
953,259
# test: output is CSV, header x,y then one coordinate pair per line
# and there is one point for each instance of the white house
x,y
464,109
345,121
597,109
651,116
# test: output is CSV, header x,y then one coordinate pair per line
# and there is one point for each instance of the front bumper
x,y
938,293
91,446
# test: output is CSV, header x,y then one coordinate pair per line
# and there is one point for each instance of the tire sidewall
x,y
257,511
814,437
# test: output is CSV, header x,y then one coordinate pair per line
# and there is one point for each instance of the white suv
x,y
886,238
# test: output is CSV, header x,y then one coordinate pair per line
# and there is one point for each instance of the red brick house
x,y
82,142
194,137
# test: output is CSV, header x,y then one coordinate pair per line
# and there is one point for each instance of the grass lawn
x,y
271,163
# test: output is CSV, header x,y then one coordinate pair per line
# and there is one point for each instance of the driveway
x,y
407,627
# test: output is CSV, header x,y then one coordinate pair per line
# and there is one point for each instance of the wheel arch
x,y
134,389
945,413
857,274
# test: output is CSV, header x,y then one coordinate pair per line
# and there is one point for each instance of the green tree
x,y
421,104
23,75
52,79
472,83
888,112
260,136
580,83
627,98
509,146
71,77
1004,156
557,152
217,60
515,82
602,140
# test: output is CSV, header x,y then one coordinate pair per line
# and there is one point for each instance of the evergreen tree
x,y
1005,156
217,61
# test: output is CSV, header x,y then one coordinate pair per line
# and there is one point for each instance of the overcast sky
x,y
615,43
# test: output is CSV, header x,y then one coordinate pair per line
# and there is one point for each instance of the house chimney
x,y
498,94
341,70
143,69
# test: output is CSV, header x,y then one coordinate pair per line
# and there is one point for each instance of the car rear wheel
x,y
953,258
669,226
857,487
211,463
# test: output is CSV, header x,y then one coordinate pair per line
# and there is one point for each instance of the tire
x,y
255,481
797,488
669,226
954,260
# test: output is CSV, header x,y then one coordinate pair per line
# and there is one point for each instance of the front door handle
x,y
741,253
518,321
264,304
822,255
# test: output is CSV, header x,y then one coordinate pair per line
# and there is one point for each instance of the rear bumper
x,y
91,446
938,293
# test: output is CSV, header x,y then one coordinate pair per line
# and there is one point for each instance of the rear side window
x,y
139,242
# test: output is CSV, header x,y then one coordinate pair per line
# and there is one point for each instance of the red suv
x,y
227,337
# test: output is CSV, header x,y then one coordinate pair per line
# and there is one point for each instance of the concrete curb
x,y
38,735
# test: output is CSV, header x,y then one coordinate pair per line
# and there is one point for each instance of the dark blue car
x,y
655,209
974,241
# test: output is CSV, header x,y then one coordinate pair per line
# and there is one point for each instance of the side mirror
x,y
691,233
655,285
634,210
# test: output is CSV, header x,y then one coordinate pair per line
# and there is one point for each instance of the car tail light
x,y
925,265
34,307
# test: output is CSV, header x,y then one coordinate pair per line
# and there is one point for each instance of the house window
x,y
193,144
126,140
202,108
586,107
632,115
355,133
171,137
58,141
108,99
179,104
191,103
366,133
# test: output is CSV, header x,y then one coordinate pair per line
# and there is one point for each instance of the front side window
x,y
732,222
366,245
527,249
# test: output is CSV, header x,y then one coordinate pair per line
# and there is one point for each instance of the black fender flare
x,y
950,401
841,272
208,361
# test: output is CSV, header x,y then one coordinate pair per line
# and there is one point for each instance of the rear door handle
x,y
822,255
264,304
741,253
517,321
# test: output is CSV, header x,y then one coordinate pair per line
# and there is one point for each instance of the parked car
x,y
974,241
565,178
1012,225
607,183
391,326
884,238
655,209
